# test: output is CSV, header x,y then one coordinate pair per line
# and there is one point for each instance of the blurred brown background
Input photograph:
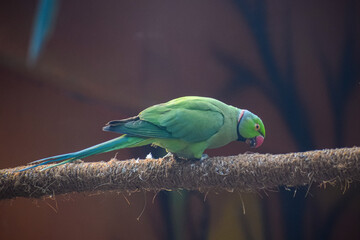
x,y
293,63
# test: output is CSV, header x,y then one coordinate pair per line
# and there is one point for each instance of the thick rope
x,y
244,172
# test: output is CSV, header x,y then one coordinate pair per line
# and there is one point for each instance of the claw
x,y
169,155
204,157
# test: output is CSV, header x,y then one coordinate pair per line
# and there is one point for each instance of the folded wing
x,y
191,120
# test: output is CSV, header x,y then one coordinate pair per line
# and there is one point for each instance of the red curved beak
x,y
259,141
255,142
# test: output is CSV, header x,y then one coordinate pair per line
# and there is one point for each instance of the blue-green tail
x,y
117,143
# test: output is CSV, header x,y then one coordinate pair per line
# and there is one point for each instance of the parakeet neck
x,y
241,115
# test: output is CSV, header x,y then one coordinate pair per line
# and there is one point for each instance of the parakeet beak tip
x,y
255,142
259,141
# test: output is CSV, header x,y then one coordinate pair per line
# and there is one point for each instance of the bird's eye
x,y
257,127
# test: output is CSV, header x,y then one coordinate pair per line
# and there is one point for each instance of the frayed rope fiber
x,y
244,172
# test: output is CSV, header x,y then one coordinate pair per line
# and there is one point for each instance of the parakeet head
x,y
250,129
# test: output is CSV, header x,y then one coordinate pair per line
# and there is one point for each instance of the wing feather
x,y
136,127
192,120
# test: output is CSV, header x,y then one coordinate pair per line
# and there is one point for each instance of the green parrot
x,y
184,126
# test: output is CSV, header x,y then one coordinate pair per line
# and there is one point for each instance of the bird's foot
x,y
204,157
169,156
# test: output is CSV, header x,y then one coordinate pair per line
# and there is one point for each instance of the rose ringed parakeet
x,y
184,126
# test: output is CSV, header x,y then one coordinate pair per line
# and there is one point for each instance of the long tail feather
x,y
114,144
58,164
